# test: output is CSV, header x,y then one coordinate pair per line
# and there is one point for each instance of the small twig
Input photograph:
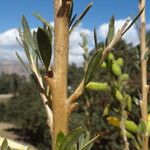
x,y
48,111
122,126
40,86
76,94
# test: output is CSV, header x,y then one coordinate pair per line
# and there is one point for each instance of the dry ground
x,y
4,127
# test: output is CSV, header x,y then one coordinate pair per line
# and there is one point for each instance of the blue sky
x,y
12,10
99,15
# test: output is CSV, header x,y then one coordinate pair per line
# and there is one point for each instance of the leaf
x,y
72,20
71,10
81,17
81,141
26,50
95,39
106,110
45,48
37,51
142,127
4,145
134,20
111,31
27,34
136,101
43,21
72,137
22,62
49,33
90,142
92,66
60,138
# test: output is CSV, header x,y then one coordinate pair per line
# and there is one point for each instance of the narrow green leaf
x,y
37,51
92,66
90,142
87,137
95,39
81,141
49,33
20,32
27,34
71,10
142,127
45,48
111,31
72,20
22,62
43,21
60,138
26,50
81,17
4,145
134,20
72,137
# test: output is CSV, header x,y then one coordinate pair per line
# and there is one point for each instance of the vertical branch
x,y
58,84
145,87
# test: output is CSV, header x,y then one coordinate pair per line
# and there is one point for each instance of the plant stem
x,y
122,126
59,81
145,87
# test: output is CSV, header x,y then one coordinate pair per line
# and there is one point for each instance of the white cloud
x,y
148,27
130,37
9,54
8,39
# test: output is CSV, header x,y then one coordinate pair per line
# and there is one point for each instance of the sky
x,y
99,15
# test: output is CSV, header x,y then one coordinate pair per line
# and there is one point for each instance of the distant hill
x,y
12,66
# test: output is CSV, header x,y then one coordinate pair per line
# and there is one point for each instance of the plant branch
x,y
145,87
76,94
122,126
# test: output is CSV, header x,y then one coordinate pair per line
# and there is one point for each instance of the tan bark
x,y
145,87
58,83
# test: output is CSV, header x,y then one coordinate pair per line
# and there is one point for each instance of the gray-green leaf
x,y
4,145
43,21
111,31
93,66
60,138
71,139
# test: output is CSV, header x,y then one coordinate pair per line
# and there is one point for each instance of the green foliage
x,y
5,145
111,31
11,145
75,138
92,66
9,83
